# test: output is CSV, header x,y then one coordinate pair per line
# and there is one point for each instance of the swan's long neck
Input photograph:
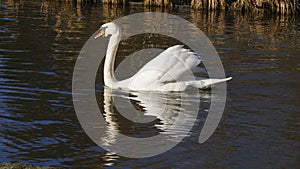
x,y
109,78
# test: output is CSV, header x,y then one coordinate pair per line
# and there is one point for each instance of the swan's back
x,y
171,70
172,65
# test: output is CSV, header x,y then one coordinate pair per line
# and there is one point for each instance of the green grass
x,y
21,166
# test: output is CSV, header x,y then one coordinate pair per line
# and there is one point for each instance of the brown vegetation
x,y
167,3
115,2
208,4
280,6
276,6
21,166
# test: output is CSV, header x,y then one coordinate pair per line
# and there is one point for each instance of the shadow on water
x,y
40,41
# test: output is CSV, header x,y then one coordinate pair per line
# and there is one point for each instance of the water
x,y
40,42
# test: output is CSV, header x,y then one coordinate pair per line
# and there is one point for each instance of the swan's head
x,y
107,29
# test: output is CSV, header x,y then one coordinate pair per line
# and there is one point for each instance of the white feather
x,y
171,70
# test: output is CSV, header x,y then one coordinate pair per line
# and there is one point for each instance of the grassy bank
x,y
21,166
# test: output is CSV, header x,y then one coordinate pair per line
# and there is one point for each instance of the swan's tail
x,y
206,83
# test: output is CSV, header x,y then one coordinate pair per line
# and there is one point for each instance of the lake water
x,y
41,40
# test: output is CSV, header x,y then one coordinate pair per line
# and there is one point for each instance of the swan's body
x,y
171,70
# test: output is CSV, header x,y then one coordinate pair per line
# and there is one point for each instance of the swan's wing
x,y
173,64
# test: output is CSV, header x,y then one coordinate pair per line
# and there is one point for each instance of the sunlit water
x,y
40,42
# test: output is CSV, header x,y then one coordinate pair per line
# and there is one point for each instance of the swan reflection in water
x,y
142,114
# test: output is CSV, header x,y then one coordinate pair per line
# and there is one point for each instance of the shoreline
x,y
22,166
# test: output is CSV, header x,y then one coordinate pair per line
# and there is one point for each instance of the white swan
x,y
169,71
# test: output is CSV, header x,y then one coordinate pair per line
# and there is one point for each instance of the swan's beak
x,y
99,34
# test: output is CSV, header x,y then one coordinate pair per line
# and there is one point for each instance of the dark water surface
x,y
39,44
